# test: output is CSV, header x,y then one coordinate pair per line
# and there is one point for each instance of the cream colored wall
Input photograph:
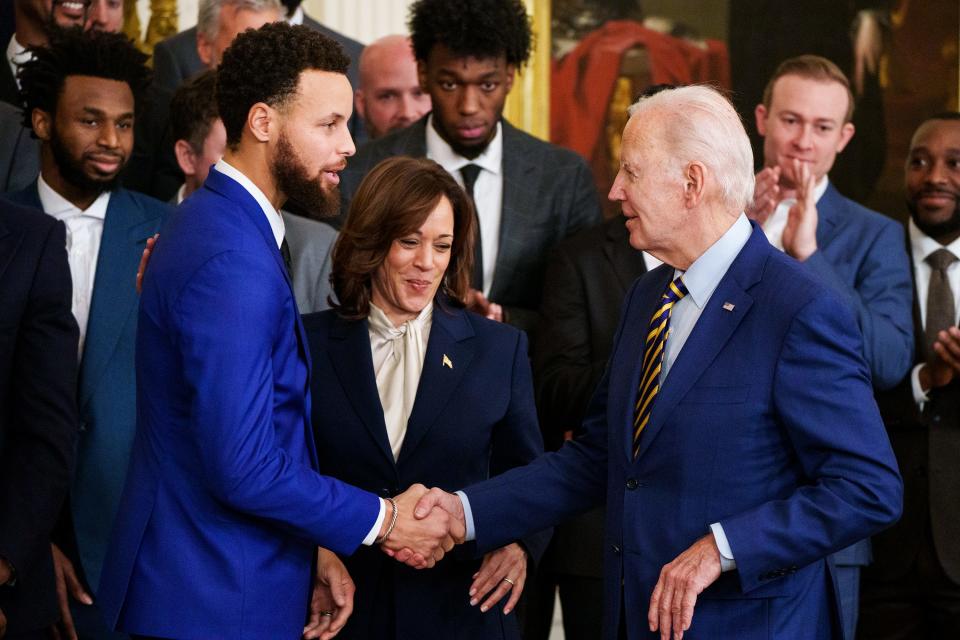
x,y
362,20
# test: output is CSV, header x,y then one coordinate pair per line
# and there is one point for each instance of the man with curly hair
x,y
529,194
224,510
81,96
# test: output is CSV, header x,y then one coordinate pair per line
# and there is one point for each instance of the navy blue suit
x,y
766,424
107,391
471,420
223,508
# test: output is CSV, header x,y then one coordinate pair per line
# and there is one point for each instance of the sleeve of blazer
x,y
824,402
566,374
882,301
516,439
38,451
585,213
229,323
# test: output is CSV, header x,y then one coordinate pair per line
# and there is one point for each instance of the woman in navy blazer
x,y
410,387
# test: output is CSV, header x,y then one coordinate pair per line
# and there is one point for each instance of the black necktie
x,y
287,260
470,173
941,307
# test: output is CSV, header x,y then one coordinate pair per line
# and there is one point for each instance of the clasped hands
x,y
430,523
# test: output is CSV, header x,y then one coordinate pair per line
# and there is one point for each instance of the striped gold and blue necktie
x,y
653,358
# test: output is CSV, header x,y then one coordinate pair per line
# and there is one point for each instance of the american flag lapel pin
x,y
447,362
728,306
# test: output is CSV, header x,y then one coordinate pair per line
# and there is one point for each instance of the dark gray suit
x,y
311,250
19,151
548,194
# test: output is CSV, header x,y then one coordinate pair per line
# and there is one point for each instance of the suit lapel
x,y
126,228
351,358
830,213
710,334
449,353
521,183
9,243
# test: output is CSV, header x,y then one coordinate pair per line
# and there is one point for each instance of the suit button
x,y
632,484
384,492
83,427
921,471
615,549
936,418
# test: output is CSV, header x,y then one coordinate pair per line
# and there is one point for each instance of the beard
x,y
308,195
71,169
945,229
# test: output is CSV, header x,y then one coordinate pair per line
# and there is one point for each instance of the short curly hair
x,y
73,52
264,65
478,28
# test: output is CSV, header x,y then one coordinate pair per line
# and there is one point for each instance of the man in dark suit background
x,y
38,413
82,93
529,194
912,590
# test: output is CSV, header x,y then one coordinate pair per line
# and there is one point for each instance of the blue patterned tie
x,y
653,358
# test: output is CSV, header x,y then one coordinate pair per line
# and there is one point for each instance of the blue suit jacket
x,y
862,257
223,507
766,423
471,420
107,392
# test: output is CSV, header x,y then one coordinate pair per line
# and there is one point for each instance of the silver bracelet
x,y
393,522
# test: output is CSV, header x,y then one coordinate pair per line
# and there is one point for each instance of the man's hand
x,y
67,584
503,571
945,366
3,624
800,234
332,601
675,594
422,541
6,572
766,195
478,303
144,260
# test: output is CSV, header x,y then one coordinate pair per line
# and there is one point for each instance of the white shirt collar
x,y
59,207
296,17
180,193
17,54
708,270
273,216
922,245
443,154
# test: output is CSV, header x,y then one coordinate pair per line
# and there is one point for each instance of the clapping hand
x,y
145,260
800,234
423,540
766,195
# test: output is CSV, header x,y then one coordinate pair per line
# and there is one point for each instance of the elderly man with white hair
x,y
734,435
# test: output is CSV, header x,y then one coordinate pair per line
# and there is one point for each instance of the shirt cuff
x,y
467,516
375,531
727,563
919,395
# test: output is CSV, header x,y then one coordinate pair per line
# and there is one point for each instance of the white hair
x,y
705,127
208,12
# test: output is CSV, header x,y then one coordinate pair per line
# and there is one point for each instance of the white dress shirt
x,y
17,54
296,17
487,191
276,225
84,232
775,224
921,246
398,354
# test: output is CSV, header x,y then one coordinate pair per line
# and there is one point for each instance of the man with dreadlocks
x,y
81,94
529,194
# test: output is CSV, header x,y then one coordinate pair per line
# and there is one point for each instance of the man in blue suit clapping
x,y
734,434
223,509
